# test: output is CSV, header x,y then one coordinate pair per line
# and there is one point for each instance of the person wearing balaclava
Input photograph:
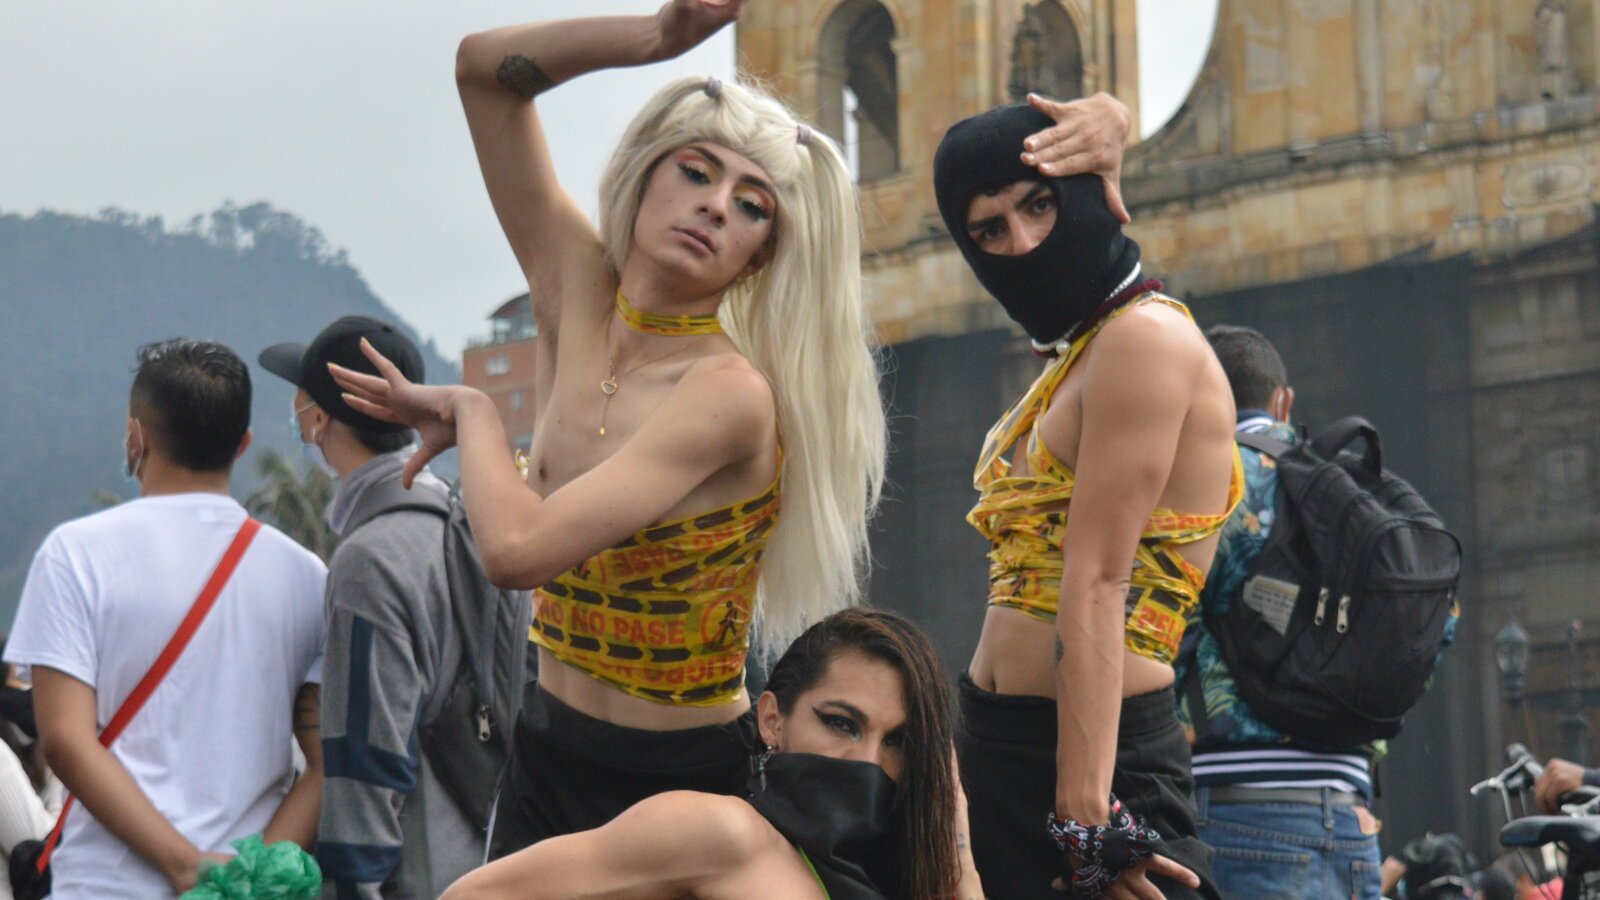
x,y
1132,422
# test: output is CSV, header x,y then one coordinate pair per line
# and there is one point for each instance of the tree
x,y
295,504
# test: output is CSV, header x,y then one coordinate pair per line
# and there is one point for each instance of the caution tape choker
x,y
670,326
1094,855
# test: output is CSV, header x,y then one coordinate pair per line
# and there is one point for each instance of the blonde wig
x,y
800,321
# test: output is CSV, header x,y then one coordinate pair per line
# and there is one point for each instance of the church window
x,y
858,94
1046,55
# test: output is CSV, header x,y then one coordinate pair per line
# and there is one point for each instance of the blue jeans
x,y
1289,851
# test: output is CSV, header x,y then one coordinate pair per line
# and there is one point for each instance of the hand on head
x,y
1090,135
391,397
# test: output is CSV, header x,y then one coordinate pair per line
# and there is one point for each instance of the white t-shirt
x,y
211,747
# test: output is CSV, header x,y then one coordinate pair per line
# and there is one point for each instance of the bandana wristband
x,y
670,326
1095,855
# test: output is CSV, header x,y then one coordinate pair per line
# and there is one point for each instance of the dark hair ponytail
x,y
924,820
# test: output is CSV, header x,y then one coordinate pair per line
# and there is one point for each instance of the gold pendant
x,y
609,386
602,431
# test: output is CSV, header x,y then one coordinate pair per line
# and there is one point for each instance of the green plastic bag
x,y
280,872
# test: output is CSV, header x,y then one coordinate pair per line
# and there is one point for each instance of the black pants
x,y
1007,747
571,772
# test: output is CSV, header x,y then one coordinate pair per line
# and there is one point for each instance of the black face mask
x,y
1056,286
840,812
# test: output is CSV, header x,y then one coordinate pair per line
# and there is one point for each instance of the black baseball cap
x,y
306,366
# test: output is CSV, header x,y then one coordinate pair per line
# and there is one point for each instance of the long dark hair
x,y
924,816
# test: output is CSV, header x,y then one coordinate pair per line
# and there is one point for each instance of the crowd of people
x,y
710,449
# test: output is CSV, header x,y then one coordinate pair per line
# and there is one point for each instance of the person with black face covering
x,y
854,797
1101,492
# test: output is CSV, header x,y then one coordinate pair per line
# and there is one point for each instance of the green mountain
x,y
79,295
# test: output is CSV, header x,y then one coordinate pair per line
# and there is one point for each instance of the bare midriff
x,y
578,690
1016,654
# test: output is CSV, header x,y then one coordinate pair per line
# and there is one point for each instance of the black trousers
x,y
571,772
1007,747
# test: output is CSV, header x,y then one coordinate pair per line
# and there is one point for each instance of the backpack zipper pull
x,y
1344,615
1322,607
483,723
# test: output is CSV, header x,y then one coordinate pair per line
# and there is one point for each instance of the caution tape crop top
x,y
1025,562
664,615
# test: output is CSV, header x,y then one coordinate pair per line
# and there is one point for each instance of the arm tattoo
x,y
522,76
308,708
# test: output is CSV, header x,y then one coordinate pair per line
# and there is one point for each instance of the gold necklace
x,y
642,321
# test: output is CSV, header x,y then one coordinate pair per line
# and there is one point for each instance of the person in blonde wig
x,y
799,321
710,436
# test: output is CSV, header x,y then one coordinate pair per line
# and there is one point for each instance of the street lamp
x,y
1572,722
1511,657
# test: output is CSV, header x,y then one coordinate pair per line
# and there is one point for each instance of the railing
x,y
520,334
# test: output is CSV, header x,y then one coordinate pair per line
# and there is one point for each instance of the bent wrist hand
x,y
682,25
464,401
1116,112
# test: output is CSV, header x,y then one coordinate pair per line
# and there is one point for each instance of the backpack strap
x,y
488,622
488,619
1271,446
163,664
462,588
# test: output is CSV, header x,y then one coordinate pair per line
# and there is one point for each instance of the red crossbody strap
x,y
169,655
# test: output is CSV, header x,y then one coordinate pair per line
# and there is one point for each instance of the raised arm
x,y
500,72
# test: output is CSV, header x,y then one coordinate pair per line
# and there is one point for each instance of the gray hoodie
x,y
388,828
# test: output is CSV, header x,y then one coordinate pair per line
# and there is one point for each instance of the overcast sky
x,y
344,113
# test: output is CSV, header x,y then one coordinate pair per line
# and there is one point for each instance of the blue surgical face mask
x,y
130,466
310,449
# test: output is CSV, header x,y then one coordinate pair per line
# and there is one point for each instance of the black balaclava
x,y
840,812
1082,263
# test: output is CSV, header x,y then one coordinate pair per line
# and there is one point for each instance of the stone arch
x,y
855,52
1046,53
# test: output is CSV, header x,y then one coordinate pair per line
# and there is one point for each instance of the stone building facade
x,y
1400,193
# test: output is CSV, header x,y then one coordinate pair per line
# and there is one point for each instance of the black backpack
x,y
1336,630
466,724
